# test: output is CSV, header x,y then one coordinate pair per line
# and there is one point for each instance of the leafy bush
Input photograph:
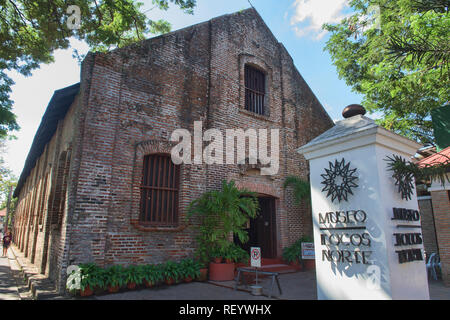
x,y
221,213
235,253
133,274
152,273
294,252
189,268
115,276
92,276
172,270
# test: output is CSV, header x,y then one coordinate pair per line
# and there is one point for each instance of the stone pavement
x,y
8,287
295,286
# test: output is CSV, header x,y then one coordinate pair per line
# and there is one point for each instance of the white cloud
x,y
310,15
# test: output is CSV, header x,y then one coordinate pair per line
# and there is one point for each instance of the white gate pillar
x,y
367,237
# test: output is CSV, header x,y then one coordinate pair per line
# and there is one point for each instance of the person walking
x,y
6,242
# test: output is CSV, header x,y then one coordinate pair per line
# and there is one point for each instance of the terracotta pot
x,y
228,260
203,274
309,264
221,271
188,279
113,289
86,292
131,285
170,281
217,259
296,264
148,284
98,290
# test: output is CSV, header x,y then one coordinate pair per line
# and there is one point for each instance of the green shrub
x,y
189,268
235,253
152,273
92,276
115,276
172,270
294,252
221,213
133,274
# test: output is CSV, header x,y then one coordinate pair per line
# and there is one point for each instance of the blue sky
x,y
295,23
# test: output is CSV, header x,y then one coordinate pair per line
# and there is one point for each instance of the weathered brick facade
x,y
85,186
441,209
428,225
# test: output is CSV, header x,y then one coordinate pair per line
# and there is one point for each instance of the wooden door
x,y
262,229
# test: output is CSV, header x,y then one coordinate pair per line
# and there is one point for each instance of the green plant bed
x,y
152,275
172,272
115,278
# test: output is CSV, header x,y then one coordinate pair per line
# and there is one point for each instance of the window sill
x,y
255,115
150,228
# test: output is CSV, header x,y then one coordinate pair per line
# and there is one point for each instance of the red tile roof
x,y
440,157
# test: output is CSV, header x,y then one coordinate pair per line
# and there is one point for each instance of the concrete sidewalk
x,y
30,284
8,286
295,286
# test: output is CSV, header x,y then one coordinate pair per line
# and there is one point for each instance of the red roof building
x,y
437,158
439,208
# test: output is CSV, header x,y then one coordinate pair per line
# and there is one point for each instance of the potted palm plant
x,y
91,279
152,275
190,269
293,254
221,213
115,278
171,272
133,276
217,254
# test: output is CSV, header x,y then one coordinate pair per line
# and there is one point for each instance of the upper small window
x,y
159,191
255,90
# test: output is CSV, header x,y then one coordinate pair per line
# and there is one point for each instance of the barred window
x,y
159,191
255,89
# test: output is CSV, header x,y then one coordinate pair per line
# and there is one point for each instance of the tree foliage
x,y
8,182
31,30
397,57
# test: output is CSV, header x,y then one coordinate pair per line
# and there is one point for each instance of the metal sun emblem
x,y
339,180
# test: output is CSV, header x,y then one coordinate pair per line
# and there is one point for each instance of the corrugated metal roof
x,y
56,110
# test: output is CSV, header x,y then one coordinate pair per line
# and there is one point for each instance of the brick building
x,y
437,207
102,152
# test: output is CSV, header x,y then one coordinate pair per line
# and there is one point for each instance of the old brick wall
x,y
441,209
39,229
428,224
140,94
130,101
137,97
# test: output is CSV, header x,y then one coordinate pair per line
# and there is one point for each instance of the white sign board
x,y
255,257
308,250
